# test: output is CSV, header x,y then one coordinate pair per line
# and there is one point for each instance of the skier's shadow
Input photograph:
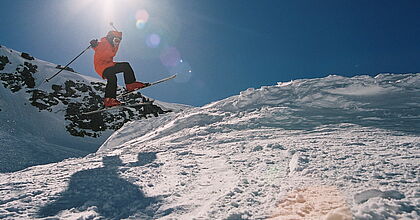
x,y
143,159
113,197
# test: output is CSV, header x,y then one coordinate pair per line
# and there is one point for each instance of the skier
x,y
105,50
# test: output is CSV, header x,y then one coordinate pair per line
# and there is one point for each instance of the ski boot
x,y
136,85
109,102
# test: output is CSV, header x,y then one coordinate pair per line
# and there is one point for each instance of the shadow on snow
x,y
106,192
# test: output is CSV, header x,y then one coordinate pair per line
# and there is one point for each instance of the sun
x,y
108,10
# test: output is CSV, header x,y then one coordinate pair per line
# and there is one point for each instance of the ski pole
x,y
48,79
112,25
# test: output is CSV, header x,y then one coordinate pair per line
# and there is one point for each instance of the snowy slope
x,y
329,148
41,123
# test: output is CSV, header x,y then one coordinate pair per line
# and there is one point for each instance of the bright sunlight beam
x,y
108,10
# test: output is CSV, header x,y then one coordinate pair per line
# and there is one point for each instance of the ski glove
x,y
94,43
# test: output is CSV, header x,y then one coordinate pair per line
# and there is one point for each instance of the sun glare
x,y
156,26
108,10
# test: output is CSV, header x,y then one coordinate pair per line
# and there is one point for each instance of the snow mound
x,y
383,106
328,148
387,101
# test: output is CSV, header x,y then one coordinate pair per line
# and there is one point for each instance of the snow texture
x,y
328,148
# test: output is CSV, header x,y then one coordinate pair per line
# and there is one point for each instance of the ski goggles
x,y
116,40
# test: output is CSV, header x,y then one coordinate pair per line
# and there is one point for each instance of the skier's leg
x,y
129,77
111,85
125,67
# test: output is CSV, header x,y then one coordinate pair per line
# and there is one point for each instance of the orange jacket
x,y
104,55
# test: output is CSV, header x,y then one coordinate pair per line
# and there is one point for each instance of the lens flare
x,y
183,71
153,40
170,57
140,24
142,16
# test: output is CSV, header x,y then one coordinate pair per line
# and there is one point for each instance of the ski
x,y
117,107
151,84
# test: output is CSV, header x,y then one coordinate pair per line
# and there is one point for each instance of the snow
x,y
328,148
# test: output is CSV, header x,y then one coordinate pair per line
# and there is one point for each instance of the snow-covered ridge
x,y
45,118
327,148
387,101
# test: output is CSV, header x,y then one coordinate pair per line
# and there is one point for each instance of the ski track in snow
x,y
302,150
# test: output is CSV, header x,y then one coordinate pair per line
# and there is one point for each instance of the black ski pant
x,y
110,75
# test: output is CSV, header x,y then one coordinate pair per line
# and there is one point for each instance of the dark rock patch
x,y
27,56
65,68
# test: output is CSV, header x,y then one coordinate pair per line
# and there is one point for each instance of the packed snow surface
x,y
328,148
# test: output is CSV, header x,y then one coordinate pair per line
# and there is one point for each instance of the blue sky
x,y
222,47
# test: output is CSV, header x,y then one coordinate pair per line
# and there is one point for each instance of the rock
x,y
27,56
